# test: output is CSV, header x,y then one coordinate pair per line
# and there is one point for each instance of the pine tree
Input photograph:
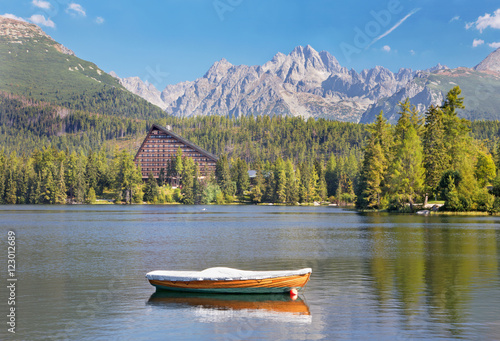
x,y
178,163
11,190
59,190
281,181
258,189
321,189
381,132
90,197
330,177
292,184
312,193
372,176
198,185
270,193
187,182
456,130
485,169
91,171
223,176
151,191
161,177
75,177
373,181
436,158
240,176
46,187
127,176
23,180
36,191
407,174
106,175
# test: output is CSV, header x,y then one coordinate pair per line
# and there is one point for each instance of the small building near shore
x,y
160,147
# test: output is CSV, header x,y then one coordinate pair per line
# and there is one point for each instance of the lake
x,y
80,273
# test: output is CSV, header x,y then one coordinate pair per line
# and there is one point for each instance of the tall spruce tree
x,y
436,157
406,176
330,178
258,189
187,182
223,176
372,176
281,181
128,176
292,185
376,161
151,191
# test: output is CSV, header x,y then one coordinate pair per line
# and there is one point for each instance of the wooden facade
x,y
161,145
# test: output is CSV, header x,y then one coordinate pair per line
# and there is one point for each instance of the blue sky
x,y
169,41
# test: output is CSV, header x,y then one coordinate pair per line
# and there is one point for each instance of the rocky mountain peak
x,y
438,67
18,31
218,70
14,29
490,63
304,51
310,58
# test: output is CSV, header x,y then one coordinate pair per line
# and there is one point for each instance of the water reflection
x,y
220,308
432,270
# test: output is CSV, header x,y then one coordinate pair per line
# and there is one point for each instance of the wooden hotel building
x,y
161,145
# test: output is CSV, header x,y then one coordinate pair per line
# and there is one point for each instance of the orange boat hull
x,y
268,285
273,303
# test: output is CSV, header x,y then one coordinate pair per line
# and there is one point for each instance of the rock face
x,y
308,83
145,90
491,63
420,96
303,83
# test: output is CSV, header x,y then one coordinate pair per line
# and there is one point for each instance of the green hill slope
x,y
35,66
480,90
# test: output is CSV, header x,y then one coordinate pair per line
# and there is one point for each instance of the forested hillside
x,y
81,150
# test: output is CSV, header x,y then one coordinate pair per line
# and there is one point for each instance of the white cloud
x,y
12,16
486,21
386,48
477,42
455,18
412,52
495,45
40,20
393,27
41,4
99,20
76,9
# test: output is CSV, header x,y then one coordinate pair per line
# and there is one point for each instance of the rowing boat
x,y
228,280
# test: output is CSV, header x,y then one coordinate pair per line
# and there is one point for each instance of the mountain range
x,y
303,83
313,84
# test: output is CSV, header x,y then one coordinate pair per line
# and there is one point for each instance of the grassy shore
x,y
471,213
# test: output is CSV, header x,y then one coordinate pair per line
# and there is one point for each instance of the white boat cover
x,y
221,274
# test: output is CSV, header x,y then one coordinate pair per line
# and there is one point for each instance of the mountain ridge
x,y
312,84
302,83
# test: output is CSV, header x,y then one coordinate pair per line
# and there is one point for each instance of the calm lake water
x,y
81,270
